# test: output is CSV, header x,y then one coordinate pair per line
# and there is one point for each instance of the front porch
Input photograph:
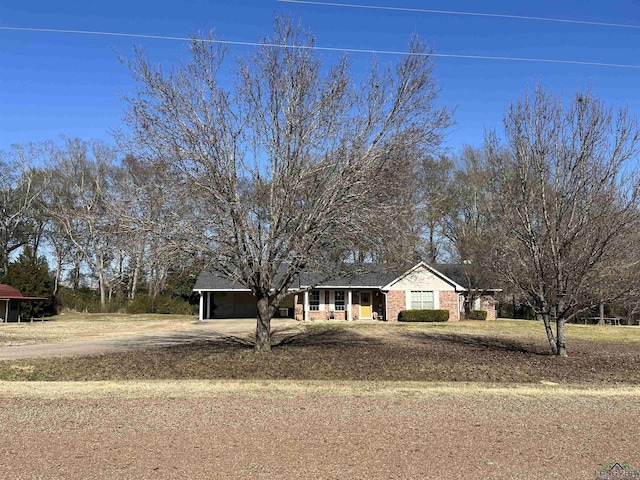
x,y
340,304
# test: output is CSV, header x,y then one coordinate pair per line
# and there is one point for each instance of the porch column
x,y
306,305
201,314
6,315
349,300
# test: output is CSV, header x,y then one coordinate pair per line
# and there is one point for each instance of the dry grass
x,y
502,352
281,388
86,326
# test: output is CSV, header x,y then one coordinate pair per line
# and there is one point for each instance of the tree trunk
x,y
561,338
263,326
101,285
547,327
56,281
601,320
136,273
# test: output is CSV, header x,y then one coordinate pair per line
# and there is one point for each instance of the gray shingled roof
x,y
373,276
209,280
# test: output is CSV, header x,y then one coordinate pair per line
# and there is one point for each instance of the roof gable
x,y
423,277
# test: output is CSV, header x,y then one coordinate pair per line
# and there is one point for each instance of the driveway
x,y
200,331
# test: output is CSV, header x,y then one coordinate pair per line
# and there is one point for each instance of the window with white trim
x,y
339,300
422,300
314,300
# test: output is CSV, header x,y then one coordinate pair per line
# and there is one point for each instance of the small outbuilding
x,y
10,300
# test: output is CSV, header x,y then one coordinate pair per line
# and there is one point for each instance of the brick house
x,y
378,294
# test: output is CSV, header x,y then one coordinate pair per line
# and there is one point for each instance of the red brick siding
x,y
449,301
396,302
488,303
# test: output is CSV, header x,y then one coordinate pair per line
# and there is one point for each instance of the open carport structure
x,y
10,300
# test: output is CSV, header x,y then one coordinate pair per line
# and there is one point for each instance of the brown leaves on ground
x,y
361,352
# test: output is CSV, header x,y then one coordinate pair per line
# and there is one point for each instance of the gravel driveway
x,y
199,331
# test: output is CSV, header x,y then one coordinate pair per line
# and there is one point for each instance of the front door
x,y
365,304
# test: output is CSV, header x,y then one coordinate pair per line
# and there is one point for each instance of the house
x,y
476,296
377,294
10,300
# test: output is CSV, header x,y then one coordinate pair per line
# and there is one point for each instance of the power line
x,y
315,47
455,12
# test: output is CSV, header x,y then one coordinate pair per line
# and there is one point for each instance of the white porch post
x,y
201,315
349,300
306,305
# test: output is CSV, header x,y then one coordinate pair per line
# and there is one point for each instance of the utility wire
x,y
314,47
455,12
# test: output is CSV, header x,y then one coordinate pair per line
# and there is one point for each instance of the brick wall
x,y
488,303
396,302
449,301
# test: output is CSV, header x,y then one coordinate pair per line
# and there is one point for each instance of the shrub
x,y
477,315
423,316
144,303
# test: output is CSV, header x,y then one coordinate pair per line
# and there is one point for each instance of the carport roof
x,y
9,293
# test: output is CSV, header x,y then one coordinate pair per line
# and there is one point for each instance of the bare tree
x,y
563,199
80,203
21,185
281,163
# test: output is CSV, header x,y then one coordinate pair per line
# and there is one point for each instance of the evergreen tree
x,y
30,275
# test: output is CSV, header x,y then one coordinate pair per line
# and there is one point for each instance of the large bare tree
x,y
281,156
563,201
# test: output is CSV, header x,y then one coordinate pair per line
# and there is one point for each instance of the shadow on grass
x,y
330,338
478,341
194,340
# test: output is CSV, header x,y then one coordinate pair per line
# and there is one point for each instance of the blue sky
x,y
64,84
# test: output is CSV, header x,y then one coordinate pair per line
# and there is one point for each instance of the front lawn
x,y
492,352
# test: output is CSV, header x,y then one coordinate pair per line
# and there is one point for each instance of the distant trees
x,y
282,163
20,188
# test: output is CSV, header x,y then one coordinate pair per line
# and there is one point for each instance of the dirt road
x,y
347,435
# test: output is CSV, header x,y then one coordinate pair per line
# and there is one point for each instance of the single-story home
x,y
10,300
377,294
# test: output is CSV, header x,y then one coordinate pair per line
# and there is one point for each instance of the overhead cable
x,y
459,12
319,48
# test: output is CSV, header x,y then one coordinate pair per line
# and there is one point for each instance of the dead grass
x,y
502,352
281,388
87,326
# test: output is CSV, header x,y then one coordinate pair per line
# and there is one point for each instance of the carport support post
x,y
201,306
349,300
306,305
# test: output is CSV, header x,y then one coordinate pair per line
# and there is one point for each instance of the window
x,y
339,300
422,301
314,300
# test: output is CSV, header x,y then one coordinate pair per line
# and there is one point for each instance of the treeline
x,y
95,223
96,230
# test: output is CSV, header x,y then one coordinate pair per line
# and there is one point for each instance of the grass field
x,y
497,352
88,326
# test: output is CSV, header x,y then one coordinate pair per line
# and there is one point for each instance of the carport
x,y
10,300
227,304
